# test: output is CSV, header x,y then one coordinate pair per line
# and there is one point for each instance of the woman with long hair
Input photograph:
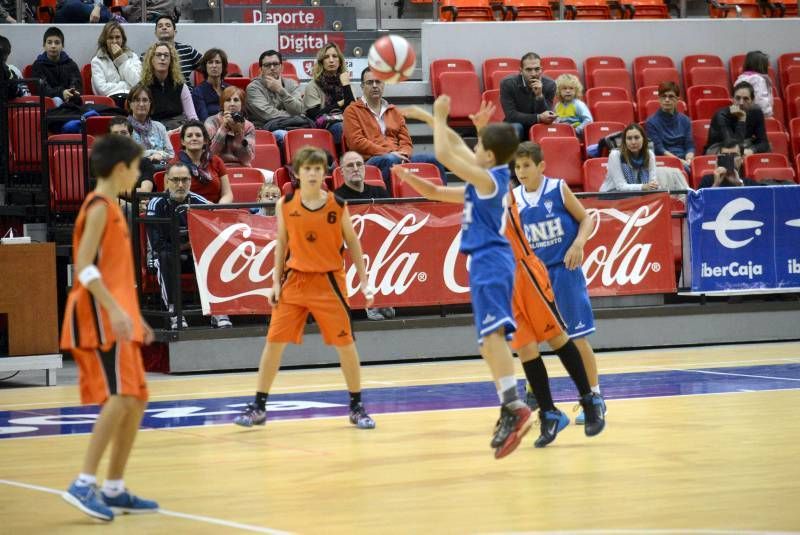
x,y
233,138
632,167
209,175
115,67
329,92
172,101
755,71
150,134
214,67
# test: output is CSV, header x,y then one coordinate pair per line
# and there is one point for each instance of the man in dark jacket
x,y
527,97
61,77
742,122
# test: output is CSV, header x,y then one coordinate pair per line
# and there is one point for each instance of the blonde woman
x,y
569,108
115,67
172,100
329,92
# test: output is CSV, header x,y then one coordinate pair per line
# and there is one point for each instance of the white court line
x,y
166,512
691,531
741,375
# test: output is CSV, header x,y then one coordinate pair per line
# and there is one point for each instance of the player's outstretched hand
x,y
274,294
121,323
369,294
148,333
482,117
401,172
441,106
416,113
574,257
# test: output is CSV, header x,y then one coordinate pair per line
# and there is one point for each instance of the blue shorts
x,y
491,283
572,299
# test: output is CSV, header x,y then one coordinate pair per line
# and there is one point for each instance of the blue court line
x,y
216,411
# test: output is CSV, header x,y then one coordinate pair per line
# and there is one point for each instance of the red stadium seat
x,y
643,96
528,10
46,12
586,10
493,96
794,135
496,64
372,176
792,94
158,180
698,60
768,159
778,113
555,73
86,79
244,175
594,63
781,8
440,66
246,191
497,76
779,143
466,11
175,140
784,62
315,137
265,137
25,138
670,161
97,125
465,94
612,78
700,134
538,132
749,9
791,76
774,173
71,137
563,155
605,94
772,124
701,166
705,108
597,130
695,93
620,111
281,178
644,9
268,156
98,99
425,171
595,171
558,63
68,177
238,81
708,76
656,75
649,62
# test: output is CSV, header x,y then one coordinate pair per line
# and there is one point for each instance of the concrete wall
x,y
628,39
242,42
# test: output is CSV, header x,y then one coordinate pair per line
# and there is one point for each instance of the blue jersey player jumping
x,y
491,267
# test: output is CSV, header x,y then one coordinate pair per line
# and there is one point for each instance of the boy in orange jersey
x,y
313,226
104,329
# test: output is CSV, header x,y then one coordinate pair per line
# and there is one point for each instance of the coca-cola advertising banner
x,y
411,254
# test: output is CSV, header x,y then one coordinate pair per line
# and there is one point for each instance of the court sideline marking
x,y
166,512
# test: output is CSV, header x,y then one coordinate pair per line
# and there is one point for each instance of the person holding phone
x,y
728,170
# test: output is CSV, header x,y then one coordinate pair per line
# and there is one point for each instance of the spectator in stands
x,y
755,72
10,72
145,184
189,58
81,11
527,98
178,182
155,9
378,132
209,175
633,166
741,121
60,76
8,12
569,108
328,94
353,171
275,103
150,134
172,101
727,176
670,130
115,67
268,193
233,138
214,66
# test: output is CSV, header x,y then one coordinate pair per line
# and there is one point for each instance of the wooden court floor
x,y
689,461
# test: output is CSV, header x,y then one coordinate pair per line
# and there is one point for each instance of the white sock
x,y
113,487
508,387
596,389
84,480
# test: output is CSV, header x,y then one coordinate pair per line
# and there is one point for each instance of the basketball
x,y
392,59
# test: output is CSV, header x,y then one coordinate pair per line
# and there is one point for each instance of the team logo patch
x,y
311,236
295,213
548,205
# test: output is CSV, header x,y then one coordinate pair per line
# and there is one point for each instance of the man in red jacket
x,y
376,130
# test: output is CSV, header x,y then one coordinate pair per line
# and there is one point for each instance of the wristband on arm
x,y
88,274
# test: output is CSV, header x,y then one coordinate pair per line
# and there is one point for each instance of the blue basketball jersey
x,y
548,226
484,218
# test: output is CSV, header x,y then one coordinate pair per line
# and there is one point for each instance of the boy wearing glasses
x,y
670,130
271,99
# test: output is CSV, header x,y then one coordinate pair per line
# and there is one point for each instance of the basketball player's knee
x,y
529,353
558,341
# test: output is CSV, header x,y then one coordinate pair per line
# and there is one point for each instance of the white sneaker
x,y
374,314
221,322
173,323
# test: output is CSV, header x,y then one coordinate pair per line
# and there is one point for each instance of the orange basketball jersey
x,y
316,242
86,324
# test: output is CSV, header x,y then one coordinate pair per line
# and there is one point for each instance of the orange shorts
x,y
116,371
534,304
321,294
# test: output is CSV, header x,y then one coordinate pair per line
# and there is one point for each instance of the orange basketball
x,y
391,59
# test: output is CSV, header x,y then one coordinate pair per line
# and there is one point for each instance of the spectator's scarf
x,y
333,89
635,173
200,172
143,129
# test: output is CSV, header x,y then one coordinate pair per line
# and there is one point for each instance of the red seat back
x,y
493,96
464,91
540,131
496,77
246,191
595,63
86,79
426,171
708,76
563,156
619,111
705,108
649,62
612,78
605,94
315,137
657,75
695,93
758,161
68,177
440,66
779,142
267,156
778,173
701,166
496,64
698,60
558,63
700,134
597,130
595,171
